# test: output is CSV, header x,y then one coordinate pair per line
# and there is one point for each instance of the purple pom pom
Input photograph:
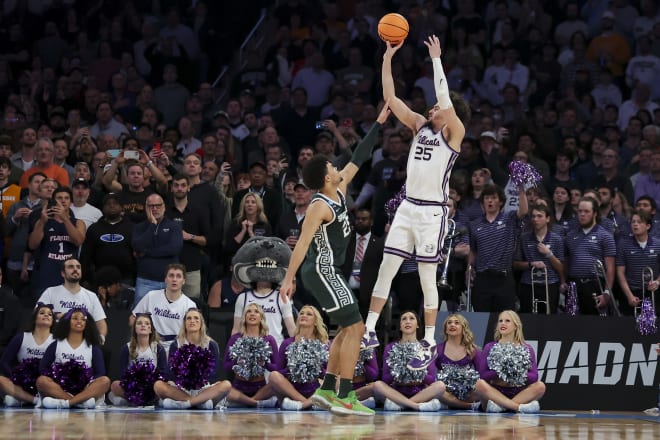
x,y
25,374
393,204
523,174
572,307
138,383
72,376
191,365
646,319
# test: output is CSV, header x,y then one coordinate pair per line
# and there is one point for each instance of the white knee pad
x,y
429,287
388,269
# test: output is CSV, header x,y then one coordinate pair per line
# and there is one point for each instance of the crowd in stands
x,y
115,146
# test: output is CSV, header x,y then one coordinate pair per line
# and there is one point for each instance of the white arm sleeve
x,y
440,83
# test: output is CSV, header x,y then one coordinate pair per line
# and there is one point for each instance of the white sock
x,y
35,400
372,319
429,334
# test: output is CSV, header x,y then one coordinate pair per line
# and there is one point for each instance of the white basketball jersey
x,y
30,348
429,166
65,353
167,316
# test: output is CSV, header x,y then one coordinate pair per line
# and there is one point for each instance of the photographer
x,y
133,194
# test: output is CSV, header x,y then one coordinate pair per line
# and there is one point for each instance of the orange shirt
x,y
10,195
52,171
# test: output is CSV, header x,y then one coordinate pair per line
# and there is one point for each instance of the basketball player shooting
x,y
420,223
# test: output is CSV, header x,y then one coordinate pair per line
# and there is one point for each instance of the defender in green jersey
x,y
320,251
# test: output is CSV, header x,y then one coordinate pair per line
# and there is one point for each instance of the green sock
x,y
329,382
345,387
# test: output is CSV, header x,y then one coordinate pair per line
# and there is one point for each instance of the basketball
x,y
393,28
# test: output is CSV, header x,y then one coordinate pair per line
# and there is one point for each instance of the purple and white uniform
x,y
420,223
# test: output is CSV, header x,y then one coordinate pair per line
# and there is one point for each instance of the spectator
x,y
270,198
80,208
610,175
315,79
168,305
54,237
44,163
25,158
195,227
9,192
250,221
610,48
71,295
157,242
110,291
170,98
649,185
108,243
17,227
133,193
106,123
640,99
571,24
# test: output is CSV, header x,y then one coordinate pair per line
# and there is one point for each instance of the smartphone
x,y
51,203
113,153
156,150
320,125
132,154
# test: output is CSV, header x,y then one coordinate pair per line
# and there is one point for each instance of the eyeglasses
x,y
155,206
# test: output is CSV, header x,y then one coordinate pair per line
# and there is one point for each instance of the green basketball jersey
x,y
328,247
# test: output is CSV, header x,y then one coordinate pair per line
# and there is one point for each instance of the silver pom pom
x,y
365,356
250,354
460,381
305,360
511,362
400,354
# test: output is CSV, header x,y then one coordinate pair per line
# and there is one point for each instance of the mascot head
x,y
261,259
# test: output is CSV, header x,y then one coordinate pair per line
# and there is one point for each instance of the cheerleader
x,y
302,361
508,366
400,386
142,361
456,367
19,366
250,353
73,372
193,359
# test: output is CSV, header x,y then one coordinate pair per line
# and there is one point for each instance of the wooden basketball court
x,y
232,423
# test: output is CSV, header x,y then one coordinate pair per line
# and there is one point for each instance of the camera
x,y
320,125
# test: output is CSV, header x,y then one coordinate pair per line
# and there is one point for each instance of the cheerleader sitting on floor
x,y
19,366
250,355
400,386
193,360
456,367
508,365
73,372
142,361
302,361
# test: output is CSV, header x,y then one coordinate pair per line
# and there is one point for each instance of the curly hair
x,y
467,337
90,334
